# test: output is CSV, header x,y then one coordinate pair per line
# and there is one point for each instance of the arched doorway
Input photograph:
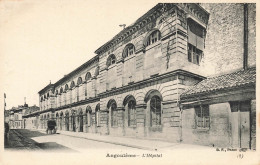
x,y
88,118
67,125
73,120
80,121
57,120
61,120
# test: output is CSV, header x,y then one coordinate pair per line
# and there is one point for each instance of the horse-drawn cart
x,y
51,127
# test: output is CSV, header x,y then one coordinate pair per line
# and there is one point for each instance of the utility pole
x,y
4,101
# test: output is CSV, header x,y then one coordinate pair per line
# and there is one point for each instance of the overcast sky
x,y
44,40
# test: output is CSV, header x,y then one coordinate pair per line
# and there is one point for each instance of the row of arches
x,y
88,77
73,120
79,120
153,99
151,38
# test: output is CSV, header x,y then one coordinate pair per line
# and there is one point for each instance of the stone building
x,y
132,87
16,117
30,117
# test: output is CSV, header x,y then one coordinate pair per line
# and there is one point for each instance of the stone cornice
x,y
195,10
148,82
191,8
77,70
155,12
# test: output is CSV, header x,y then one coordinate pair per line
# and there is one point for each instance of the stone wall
x,y
218,133
224,39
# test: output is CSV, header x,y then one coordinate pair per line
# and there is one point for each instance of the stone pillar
x,y
77,123
64,123
141,120
103,80
119,71
104,122
84,123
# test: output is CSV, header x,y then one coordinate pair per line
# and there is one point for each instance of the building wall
x,y
253,124
224,39
218,133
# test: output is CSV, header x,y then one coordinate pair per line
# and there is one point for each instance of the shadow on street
x,y
20,139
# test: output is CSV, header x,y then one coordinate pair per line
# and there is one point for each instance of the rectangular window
x,y
202,116
196,34
194,54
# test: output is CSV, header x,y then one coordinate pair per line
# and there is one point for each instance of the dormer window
x,y
111,60
153,37
129,50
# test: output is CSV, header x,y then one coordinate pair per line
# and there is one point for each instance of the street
x,y
22,139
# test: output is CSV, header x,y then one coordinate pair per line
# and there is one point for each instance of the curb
x,y
109,142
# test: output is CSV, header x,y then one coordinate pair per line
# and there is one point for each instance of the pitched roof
x,y
236,79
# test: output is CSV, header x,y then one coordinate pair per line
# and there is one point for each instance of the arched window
x,y
153,37
128,50
61,120
88,115
79,81
57,92
66,87
155,111
80,118
131,113
88,76
48,95
72,84
114,119
61,90
111,60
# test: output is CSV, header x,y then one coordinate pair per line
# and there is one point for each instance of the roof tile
x,y
235,79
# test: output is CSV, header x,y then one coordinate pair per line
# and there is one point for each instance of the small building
x,y
16,116
30,118
221,111
15,119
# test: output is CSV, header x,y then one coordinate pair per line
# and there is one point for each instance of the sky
x,y
41,41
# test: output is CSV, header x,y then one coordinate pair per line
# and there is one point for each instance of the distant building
x,y
15,119
16,114
31,121
149,80
7,116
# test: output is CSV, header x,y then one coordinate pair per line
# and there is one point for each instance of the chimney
x,y
245,57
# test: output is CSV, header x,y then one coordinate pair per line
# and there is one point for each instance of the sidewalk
x,y
145,144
